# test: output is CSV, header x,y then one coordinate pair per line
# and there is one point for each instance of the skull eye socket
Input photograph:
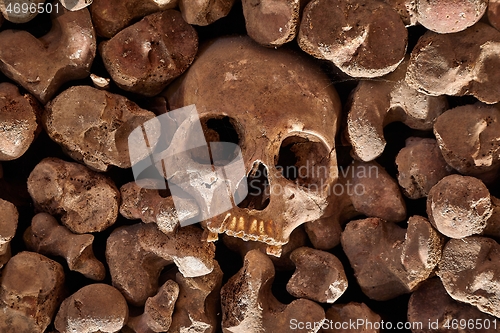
x,y
305,162
217,129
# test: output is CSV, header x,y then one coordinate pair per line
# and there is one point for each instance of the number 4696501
x,y
472,324
24,8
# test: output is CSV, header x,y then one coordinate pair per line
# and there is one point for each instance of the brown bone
x,y
149,54
30,292
47,237
111,16
97,131
420,166
94,308
136,255
376,103
362,38
8,225
18,121
86,200
462,63
470,273
388,260
262,311
67,52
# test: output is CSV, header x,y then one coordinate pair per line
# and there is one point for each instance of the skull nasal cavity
x,y
258,188
219,129
304,162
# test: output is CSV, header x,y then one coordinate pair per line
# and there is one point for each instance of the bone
x,y
198,307
68,50
94,308
364,188
272,23
74,5
8,227
460,206
262,312
407,10
376,103
149,206
388,260
47,237
458,64
298,238
430,303
237,65
494,13
21,14
158,310
365,39
100,82
97,133
30,292
136,255
146,68
450,16
469,272
351,312
204,12
18,119
86,200
420,166
469,141
111,16
319,276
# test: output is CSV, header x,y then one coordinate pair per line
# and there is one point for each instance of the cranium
x,y
282,112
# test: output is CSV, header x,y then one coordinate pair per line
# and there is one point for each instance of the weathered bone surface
x,y
198,307
237,66
8,225
362,38
97,131
407,10
149,206
204,12
420,166
158,310
75,5
319,276
463,63
459,206
298,238
47,237
95,308
100,82
431,303
364,188
494,13
111,16
68,50
376,103
149,54
272,23
469,139
388,260
86,200
345,313
30,292
15,14
262,312
448,16
18,121
136,255
470,273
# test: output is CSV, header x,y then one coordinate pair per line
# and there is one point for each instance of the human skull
x,y
282,112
